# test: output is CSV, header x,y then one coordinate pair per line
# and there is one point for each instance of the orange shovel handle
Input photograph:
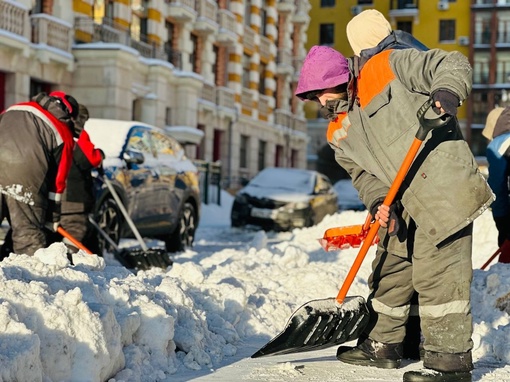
x,y
75,242
388,200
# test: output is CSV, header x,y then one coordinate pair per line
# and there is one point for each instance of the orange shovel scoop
x,y
347,237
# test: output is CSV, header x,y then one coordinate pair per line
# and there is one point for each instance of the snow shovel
x,y
129,258
73,241
139,258
347,237
319,324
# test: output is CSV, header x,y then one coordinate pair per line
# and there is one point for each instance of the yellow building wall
x,y
425,27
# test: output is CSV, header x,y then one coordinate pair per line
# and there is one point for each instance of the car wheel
x,y
184,234
109,219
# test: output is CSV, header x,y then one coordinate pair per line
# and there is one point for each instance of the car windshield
x,y
288,179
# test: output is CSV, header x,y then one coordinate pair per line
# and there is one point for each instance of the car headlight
x,y
297,206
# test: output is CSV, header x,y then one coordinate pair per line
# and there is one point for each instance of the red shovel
x,y
347,237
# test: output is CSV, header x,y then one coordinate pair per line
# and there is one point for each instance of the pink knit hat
x,y
323,68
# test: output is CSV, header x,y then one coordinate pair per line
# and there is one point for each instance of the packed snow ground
x,y
203,318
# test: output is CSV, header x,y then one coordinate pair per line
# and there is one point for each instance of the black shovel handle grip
x,y
426,124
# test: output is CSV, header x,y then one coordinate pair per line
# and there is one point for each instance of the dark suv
x,y
156,182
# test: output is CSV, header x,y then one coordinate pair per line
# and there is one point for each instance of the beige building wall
x,y
105,63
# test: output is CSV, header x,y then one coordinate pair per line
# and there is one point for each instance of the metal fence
x,y
210,181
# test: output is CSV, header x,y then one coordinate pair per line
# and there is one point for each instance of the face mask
x,y
333,107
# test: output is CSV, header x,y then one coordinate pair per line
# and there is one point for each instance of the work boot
x,y
429,375
371,353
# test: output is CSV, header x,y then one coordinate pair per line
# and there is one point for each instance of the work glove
x,y
53,213
389,215
449,102
100,169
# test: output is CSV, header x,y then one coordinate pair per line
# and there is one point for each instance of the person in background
x,y
426,236
78,198
36,148
497,131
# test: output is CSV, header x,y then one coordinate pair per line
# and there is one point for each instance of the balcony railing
x,y
208,92
265,48
14,19
173,56
227,22
112,32
225,97
263,107
247,101
249,38
182,10
207,16
51,31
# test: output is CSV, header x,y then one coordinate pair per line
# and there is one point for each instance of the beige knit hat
x,y
490,124
366,30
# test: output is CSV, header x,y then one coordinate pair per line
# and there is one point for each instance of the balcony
x,y
301,16
300,125
205,22
15,20
226,33
265,48
249,39
49,31
225,97
86,30
404,8
247,101
284,62
208,93
182,10
263,107
173,56
286,6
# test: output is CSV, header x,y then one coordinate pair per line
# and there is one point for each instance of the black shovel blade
x,y
137,258
319,324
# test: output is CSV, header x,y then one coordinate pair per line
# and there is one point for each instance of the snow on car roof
x,y
110,134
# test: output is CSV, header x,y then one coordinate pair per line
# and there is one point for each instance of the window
x,y
247,13
138,25
262,155
327,34
193,57
102,9
139,140
263,19
278,157
446,30
37,87
262,78
243,152
168,116
327,3
406,26
246,71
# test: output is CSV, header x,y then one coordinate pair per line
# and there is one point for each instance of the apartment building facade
x,y
489,53
218,75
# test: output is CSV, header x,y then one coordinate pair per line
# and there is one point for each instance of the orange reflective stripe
x,y
335,127
374,77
